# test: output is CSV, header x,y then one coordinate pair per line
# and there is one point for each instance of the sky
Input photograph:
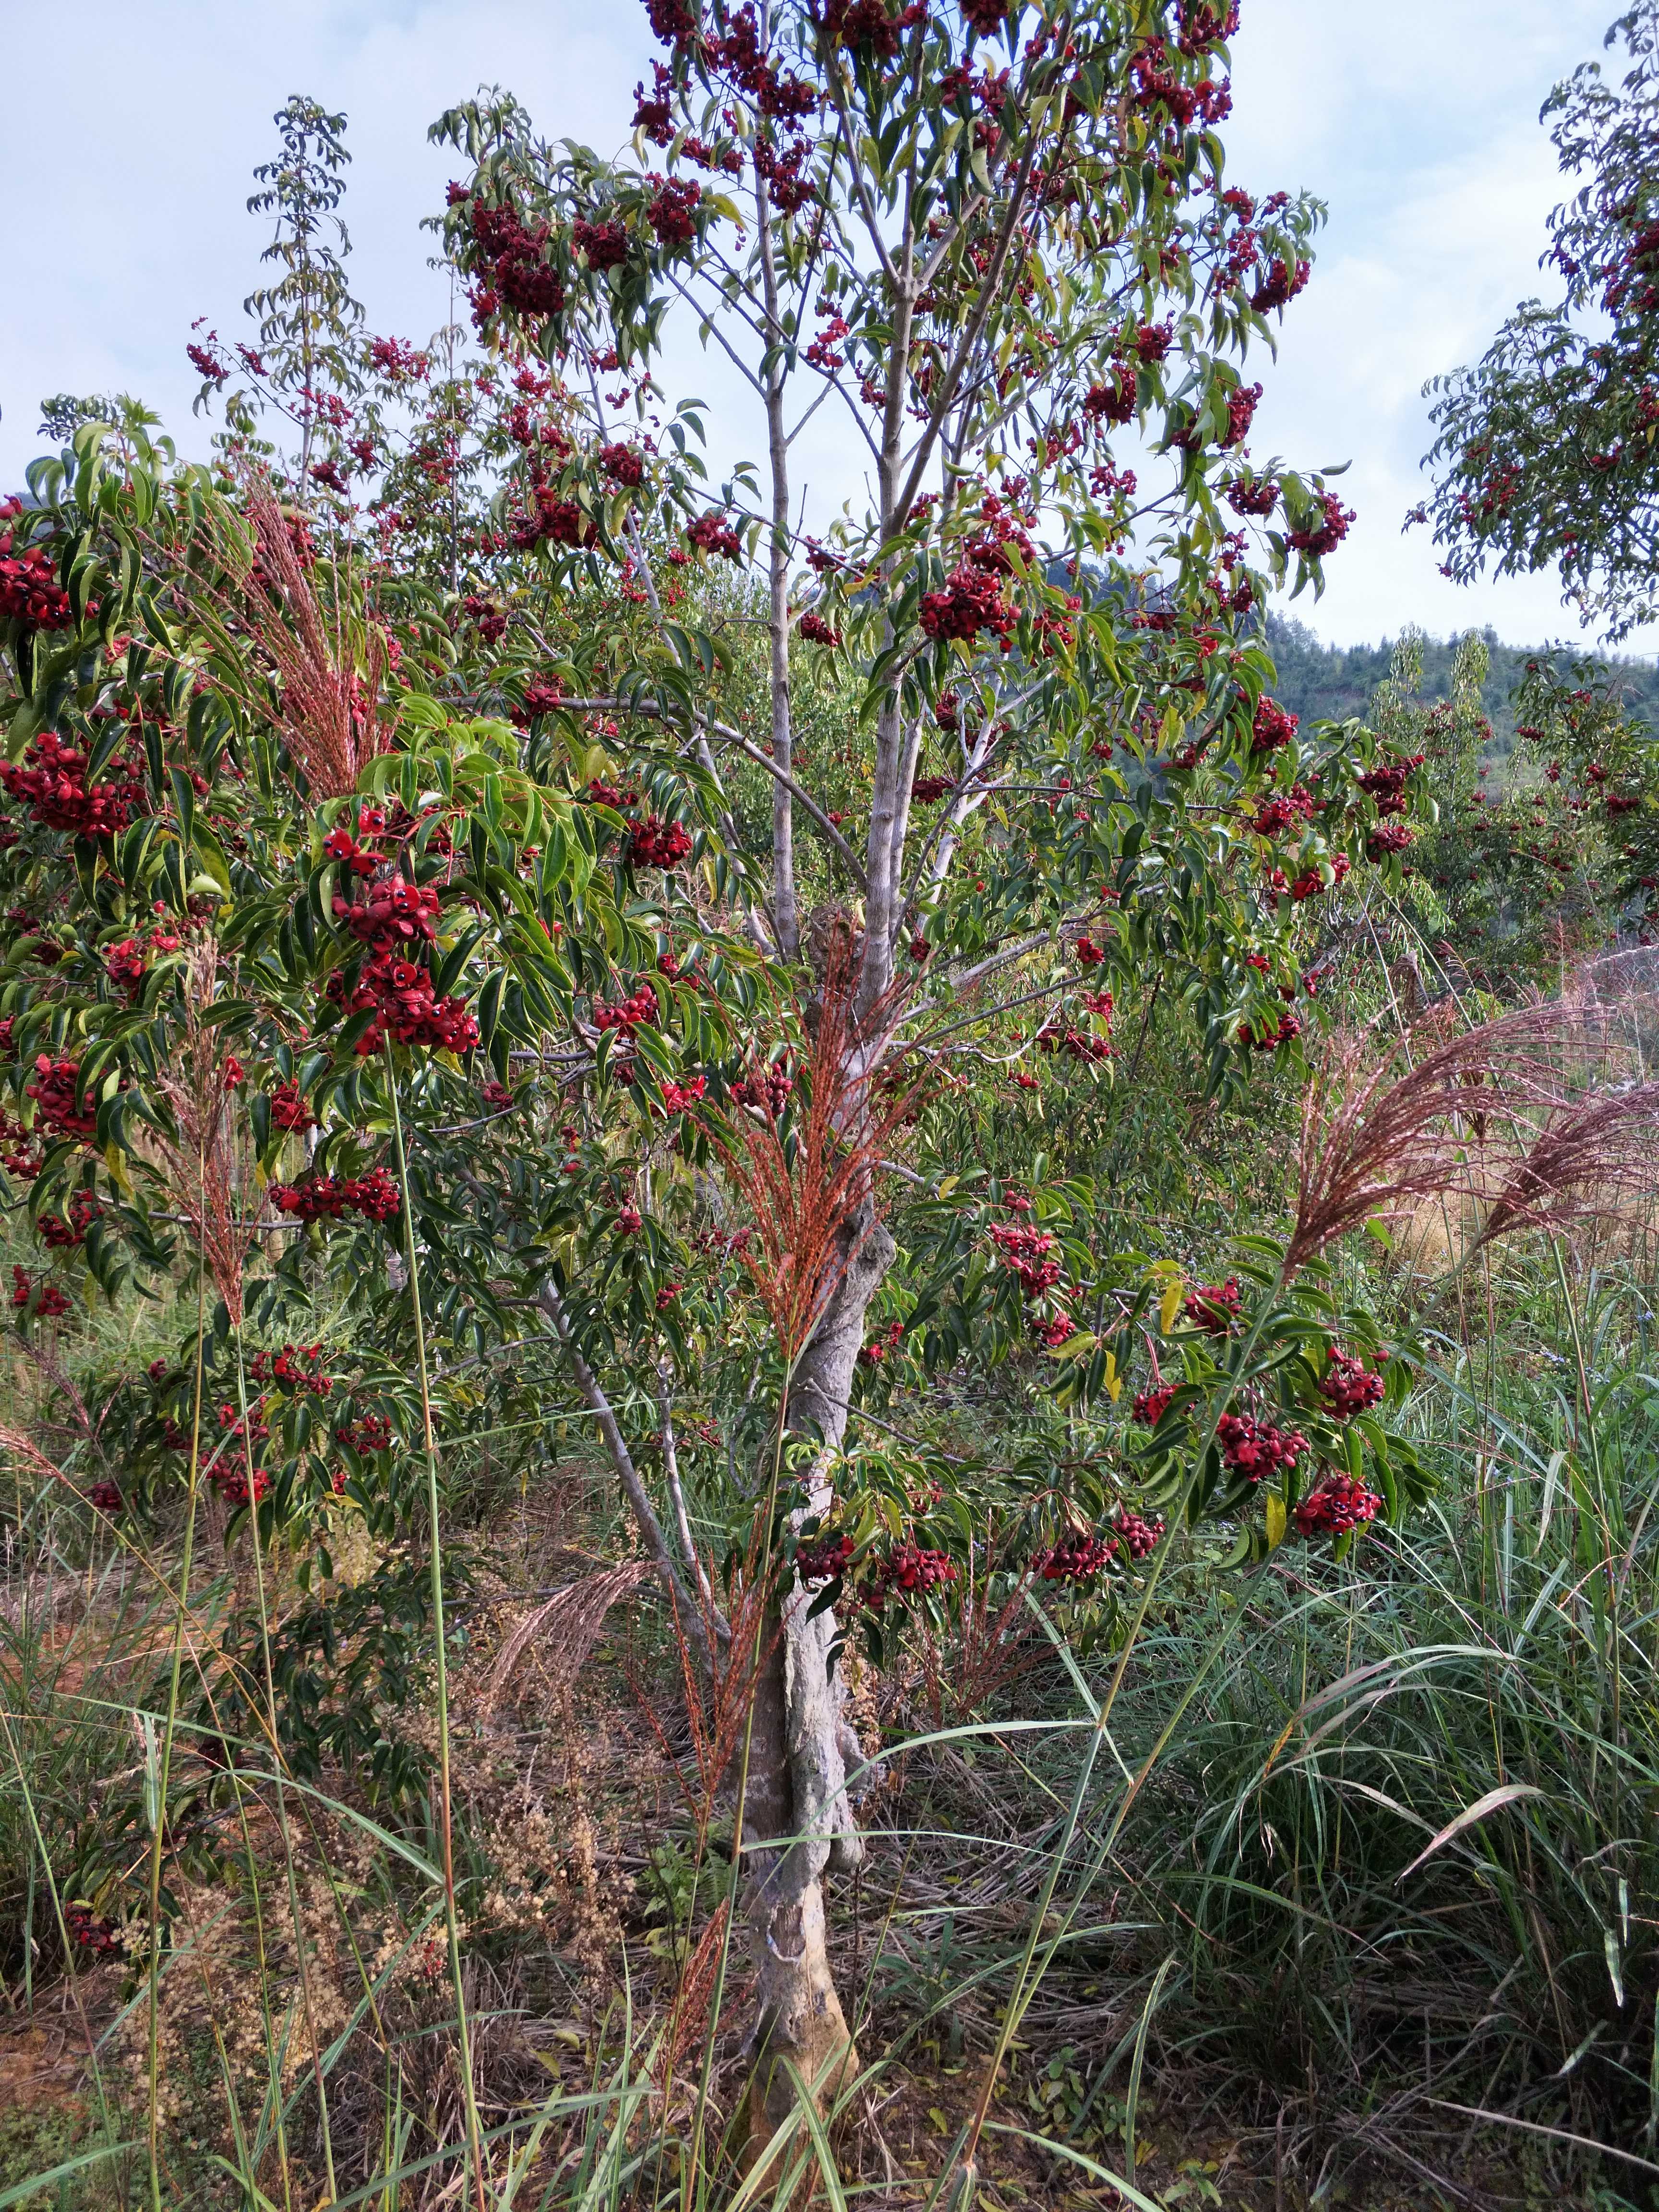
x,y
1417,124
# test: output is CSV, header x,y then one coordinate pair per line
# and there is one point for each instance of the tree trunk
x,y
798,1820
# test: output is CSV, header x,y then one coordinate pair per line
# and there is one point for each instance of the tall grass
x,y
1382,1914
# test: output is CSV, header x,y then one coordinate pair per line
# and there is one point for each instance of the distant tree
x,y
1548,447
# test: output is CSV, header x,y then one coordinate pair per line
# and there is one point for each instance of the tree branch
x,y
654,710
639,1498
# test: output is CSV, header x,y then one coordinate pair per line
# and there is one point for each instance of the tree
x,y
309,355
492,845
1546,447
993,244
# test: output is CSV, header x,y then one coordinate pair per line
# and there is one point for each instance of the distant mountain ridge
x,y
1319,681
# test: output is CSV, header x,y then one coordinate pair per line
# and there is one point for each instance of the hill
x,y
1332,682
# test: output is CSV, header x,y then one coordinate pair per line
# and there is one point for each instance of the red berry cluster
x,y
289,1110
970,601
403,1002
539,698
1113,401
331,1198
52,784
1059,1329
1138,1537
1076,1044
869,23
604,246
1282,283
878,1349
53,1093
91,1933
1256,1449
1157,85
1311,884
50,1300
513,259
370,1433
295,1367
671,211
673,21
1269,1040
358,860
654,844
233,1484
106,1497
1024,1251
1350,1388
1213,1307
712,534
29,591
1270,727
1340,1503
767,1087
1205,23
555,521
1387,784
824,1559
15,1155
61,1234
624,465
681,1097
1075,1558
1388,837
909,1570
630,1221
998,538
233,1423
395,915
1316,539
1259,499
667,1294
1088,953
814,629
1285,810
396,360
926,789
124,963
1151,1405
632,1013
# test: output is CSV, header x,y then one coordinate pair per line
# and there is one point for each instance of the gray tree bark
x,y
798,1820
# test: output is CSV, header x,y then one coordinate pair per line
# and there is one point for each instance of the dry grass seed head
x,y
1461,1122
328,712
810,1181
207,1161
